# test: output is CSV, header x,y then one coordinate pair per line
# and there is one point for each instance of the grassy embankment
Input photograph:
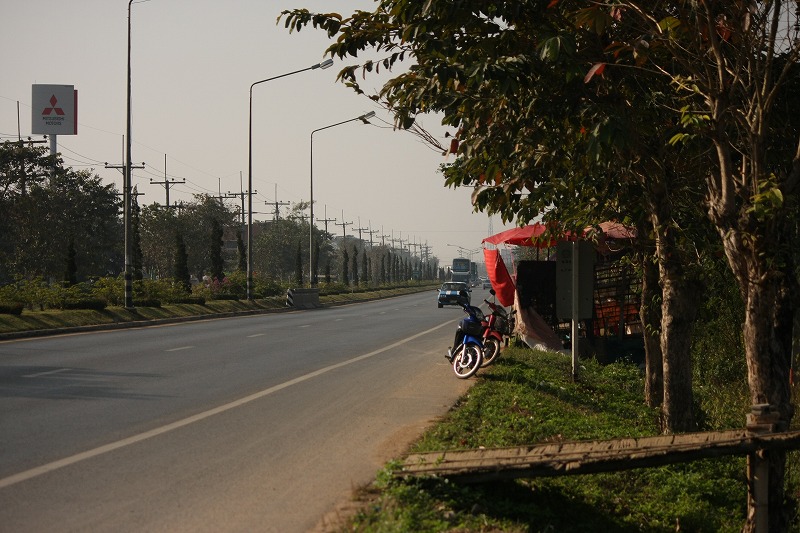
x,y
37,321
529,397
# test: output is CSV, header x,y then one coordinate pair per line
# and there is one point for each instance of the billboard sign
x,y
54,110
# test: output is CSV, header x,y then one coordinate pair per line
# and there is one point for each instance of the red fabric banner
x,y
502,283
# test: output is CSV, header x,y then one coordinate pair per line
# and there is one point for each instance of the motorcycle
x,y
466,355
499,325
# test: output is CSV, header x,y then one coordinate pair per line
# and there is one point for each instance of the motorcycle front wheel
x,y
491,349
467,360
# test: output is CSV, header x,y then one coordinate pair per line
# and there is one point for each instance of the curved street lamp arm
x,y
363,118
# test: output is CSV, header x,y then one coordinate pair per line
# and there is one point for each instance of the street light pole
x,y
364,118
463,251
325,64
126,184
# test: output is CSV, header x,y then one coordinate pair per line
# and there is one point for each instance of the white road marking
x,y
47,373
179,349
256,335
134,439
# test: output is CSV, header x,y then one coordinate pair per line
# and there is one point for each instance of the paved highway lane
x,y
246,424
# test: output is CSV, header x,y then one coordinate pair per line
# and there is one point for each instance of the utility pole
x,y
276,215
121,168
134,192
344,225
424,252
360,229
371,233
167,183
240,195
227,196
414,245
326,220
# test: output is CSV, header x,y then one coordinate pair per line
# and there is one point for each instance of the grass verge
x,y
529,397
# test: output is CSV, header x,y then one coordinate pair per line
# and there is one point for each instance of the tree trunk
x,y
767,334
650,313
679,310
770,295
679,291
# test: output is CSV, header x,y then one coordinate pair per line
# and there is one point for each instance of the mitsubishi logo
x,y
53,101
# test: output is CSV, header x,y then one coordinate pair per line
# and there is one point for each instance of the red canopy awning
x,y
530,235
615,230
533,235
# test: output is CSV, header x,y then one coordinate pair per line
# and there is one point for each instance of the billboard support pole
x,y
53,152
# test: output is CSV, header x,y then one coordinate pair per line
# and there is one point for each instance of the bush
x,y
33,293
112,290
330,289
163,290
225,297
265,287
11,308
147,302
95,304
194,300
235,283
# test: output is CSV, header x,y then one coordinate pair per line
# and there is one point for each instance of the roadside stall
x,y
614,328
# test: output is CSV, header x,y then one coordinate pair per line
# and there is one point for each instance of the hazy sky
x,y
192,66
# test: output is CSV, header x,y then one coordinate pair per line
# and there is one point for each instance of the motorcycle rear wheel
x,y
491,349
467,360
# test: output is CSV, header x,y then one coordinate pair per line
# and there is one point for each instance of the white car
x,y
451,294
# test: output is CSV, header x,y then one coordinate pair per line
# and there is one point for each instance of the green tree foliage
x,y
276,241
196,222
345,267
158,227
136,235
241,250
181,275
217,269
275,248
298,265
354,267
41,204
315,265
71,266
658,111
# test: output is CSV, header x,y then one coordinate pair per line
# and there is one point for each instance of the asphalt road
x,y
258,423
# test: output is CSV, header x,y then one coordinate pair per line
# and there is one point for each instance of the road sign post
x,y
575,288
